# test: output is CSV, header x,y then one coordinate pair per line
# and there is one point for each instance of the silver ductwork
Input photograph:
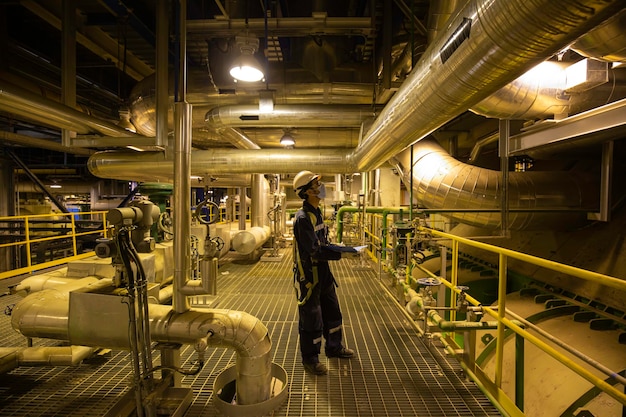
x,y
441,182
458,70
606,42
284,115
32,106
150,166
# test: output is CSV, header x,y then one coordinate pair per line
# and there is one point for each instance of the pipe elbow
x,y
239,330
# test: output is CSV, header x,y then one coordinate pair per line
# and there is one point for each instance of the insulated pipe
x,y
148,165
479,53
25,103
247,241
442,182
42,282
11,358
182,215
302,115
46,313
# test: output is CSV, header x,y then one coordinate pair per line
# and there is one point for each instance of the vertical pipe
x,y
258,197
162,79
454,277
242,208
502,265
605,184
182,178
443,256
411,190
519,371
182,196
505,133
182,53
68,65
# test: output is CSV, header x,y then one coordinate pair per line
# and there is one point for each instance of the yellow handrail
x,y
33,236
503,322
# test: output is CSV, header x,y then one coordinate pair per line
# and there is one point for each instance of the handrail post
x,y
519,371
74,249
501,311
27,236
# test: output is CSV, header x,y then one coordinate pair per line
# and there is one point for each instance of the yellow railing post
x,y
27,233
74,250
501,310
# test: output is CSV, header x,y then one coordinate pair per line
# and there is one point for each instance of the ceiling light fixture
x,y
246,67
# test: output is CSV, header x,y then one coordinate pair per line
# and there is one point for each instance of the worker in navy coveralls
x,y
318,306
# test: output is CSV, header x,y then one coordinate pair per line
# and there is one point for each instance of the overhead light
x,y
287,140
55,185
246,67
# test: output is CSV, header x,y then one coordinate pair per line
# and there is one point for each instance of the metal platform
x,y
395,372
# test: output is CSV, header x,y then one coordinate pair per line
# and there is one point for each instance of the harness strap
x,y
310,285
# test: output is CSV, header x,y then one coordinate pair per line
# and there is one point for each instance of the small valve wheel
x,y
429,282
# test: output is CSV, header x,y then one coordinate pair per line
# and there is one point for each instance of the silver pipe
x,y
137,165
11,358
235,329
439,13
162,93
42,143
301,115
606,41
529,96
259,205
243,208
46,315
182,197
51,113
238,139
442,86
442,182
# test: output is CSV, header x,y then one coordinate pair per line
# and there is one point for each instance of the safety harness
x,y
296,255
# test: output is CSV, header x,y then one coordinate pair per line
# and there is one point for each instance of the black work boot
x,y
343,353
315,368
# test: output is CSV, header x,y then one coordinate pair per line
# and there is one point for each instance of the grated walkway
x,y
394,373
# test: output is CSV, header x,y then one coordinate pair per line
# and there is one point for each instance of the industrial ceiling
x,y
331,68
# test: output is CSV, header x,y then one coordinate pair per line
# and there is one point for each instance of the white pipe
x,y
46,314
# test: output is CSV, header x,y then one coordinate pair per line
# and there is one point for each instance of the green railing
x,y
42,241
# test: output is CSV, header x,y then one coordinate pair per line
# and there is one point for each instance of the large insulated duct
x,y
442,182
47,314
450,78
283,115
605,42
488,43
149,166
17,100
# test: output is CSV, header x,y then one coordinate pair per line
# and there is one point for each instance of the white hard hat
x,y
302,178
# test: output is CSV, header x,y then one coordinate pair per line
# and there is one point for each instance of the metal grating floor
x,y
394,373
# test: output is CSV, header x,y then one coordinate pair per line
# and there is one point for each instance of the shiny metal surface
x,y
507,38
442,182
